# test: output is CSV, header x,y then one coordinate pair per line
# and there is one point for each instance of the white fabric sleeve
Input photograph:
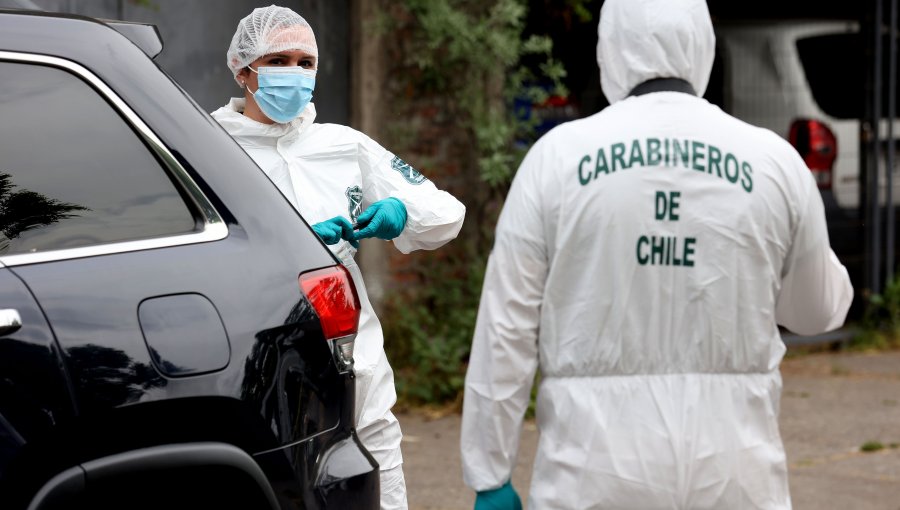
x,y
504,353
815,287
434,217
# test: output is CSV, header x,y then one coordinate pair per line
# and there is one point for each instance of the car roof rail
x,y
144,35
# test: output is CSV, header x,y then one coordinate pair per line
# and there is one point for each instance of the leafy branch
x,y
22,210
467,69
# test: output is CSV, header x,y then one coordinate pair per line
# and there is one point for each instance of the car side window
x,y
73,172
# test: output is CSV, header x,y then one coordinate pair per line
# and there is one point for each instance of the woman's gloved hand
x,y
333,230
504,498
384,219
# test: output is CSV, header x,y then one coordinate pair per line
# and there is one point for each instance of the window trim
x,y
212,227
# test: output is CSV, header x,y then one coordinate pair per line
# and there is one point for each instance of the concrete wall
x,y
196,35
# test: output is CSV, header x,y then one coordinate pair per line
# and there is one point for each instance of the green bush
x,y
881,320
429,328
464,61
871,446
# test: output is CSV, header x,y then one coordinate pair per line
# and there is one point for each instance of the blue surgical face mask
x,y
284,92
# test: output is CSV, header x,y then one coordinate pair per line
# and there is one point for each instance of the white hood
x,y
644,39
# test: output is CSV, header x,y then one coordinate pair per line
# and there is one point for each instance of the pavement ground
x,y
832,405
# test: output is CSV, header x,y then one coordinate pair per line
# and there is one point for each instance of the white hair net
x,y
269,30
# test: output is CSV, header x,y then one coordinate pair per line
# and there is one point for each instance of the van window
x,y
715,89
835,67
73,172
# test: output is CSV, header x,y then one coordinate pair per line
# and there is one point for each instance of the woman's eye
x,y
276,62
306,63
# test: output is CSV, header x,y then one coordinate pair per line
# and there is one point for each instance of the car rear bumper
x,y
345,475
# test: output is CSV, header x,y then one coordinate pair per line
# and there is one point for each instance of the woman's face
x,y
285,58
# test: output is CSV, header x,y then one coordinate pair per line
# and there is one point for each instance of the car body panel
x,y
280,388
33,391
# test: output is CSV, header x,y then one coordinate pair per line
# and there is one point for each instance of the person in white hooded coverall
x,y
643,259
334,176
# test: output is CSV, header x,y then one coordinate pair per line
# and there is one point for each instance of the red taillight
x,y
332,293
818,147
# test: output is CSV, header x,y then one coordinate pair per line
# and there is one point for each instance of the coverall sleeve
x,y
434,217
504,353
815,287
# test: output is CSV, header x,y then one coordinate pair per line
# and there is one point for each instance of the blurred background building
x,y
196,35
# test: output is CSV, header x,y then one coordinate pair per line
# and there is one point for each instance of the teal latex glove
x,y
384,219
504,498
333,230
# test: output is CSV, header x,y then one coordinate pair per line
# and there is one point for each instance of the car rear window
x,y
73,172
835,67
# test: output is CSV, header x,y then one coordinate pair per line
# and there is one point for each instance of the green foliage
x,y
147,4
839,370
468,61
430,330
881,321
871,446
580,10
468,55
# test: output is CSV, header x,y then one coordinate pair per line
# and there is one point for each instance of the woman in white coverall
x,y
644,259
334,176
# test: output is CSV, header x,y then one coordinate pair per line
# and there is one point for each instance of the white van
x,y
805,80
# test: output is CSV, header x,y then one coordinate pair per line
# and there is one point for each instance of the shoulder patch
x,y
409,173
354,202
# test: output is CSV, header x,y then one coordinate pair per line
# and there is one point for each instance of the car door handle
x,y
10,321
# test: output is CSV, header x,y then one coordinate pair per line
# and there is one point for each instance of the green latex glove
x,y
504,498
384,219
333,230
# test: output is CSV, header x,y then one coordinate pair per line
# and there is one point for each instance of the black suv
x,y
172,333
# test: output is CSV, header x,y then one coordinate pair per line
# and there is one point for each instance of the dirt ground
x,y
832,405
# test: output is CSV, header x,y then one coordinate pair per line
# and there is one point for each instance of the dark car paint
x,y
113,397
33,388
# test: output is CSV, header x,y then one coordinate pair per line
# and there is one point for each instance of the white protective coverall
x,y
643,259
328,170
